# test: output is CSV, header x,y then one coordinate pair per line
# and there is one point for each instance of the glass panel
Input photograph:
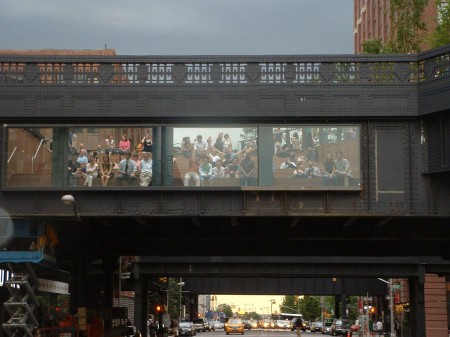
x,y
79,157
317,157
221,156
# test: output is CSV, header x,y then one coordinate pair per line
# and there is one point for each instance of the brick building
x,y
372,21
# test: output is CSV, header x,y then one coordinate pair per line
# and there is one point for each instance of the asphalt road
x,y
260,332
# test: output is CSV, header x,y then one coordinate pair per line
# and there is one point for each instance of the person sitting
x,y
127,170
110,145
328,170
200,147
284,152
218,171
312,171
124,145
299,172
192,173
205,172
186,147
287,164
147,145
233,168
91,171
342,173
73,170
145,177
106,170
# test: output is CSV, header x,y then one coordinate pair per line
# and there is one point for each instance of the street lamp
x,y
68,200
391,303
271,302
181,284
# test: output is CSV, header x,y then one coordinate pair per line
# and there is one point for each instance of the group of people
x,y
209,161
90,166
335,171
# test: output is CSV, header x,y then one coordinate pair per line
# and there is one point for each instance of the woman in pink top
x,y
124,145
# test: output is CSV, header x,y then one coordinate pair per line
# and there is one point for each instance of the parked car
x,y
340,327
316,326
199,324
234,325
186,328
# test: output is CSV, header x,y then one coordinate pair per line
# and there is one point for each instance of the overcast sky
x,y
180,27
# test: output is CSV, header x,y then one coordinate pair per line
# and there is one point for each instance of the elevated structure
x,y
387,114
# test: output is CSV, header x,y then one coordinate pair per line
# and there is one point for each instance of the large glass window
x,y
316,157
220,156
79,157
303,157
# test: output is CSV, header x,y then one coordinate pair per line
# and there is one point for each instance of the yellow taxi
x,y
234,325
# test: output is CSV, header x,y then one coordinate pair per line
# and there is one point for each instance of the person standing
x,y
298,326
379,327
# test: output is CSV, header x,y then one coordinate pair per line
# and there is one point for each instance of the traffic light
x,y
159,308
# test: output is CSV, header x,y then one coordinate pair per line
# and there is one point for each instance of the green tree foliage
x,y
310,307
407,29
289,304
441,36
249,134
226,309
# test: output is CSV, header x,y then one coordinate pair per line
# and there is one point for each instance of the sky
x,y
251,303
180,27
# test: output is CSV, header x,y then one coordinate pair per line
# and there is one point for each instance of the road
x,y
259,333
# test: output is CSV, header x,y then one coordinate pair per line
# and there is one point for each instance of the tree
x,y
441,36
310,307
407,29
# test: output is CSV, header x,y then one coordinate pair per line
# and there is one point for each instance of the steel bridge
x,y
393,223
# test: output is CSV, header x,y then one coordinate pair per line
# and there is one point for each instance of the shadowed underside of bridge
x,y
257,238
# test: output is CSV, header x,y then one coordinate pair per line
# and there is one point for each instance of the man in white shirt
x,y
200,146
379,327
146,169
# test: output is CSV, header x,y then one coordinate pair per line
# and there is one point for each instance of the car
x,y
218,325
234,325
265,324
209,325
200,324
304,324
186,328
316,326
247,324
340,327
282,324
326,327
254,324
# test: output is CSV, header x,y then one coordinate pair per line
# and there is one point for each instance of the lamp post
x,y
271,303
69,200
181,284
391,303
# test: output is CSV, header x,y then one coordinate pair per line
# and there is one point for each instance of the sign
x,y
396,286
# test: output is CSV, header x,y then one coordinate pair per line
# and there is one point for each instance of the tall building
x,y
372,21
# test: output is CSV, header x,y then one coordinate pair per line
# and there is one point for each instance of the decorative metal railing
x,y
225,70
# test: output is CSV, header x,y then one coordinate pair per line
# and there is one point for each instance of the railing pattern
x,y
273,70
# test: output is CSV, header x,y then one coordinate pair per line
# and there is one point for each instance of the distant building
x,y
372,21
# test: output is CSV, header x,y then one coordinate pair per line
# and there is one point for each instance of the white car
x,y
282,324
218,325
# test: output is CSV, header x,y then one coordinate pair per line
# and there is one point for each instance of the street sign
x,y
396,286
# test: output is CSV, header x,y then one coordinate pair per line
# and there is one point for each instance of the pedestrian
x,y
379,327
298,326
